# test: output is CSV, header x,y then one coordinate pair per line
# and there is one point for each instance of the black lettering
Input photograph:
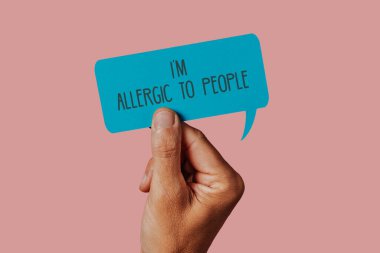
x,y
147,92
244,75
213,80
156,97
181,69
225,84
204,84
138,94
120,102
165,94
126,102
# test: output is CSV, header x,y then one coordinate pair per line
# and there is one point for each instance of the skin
x,y
191,188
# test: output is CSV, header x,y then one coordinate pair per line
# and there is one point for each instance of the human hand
x,y
192,189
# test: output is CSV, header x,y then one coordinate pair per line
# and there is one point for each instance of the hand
x,y
192,189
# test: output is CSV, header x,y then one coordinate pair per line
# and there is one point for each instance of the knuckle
x,y
166,152
235,186
172,196
166,145
199,137
240,185
199,134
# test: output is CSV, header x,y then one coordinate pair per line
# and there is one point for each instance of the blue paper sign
x,y
198,80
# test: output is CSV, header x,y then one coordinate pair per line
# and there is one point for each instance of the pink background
x,y
311,164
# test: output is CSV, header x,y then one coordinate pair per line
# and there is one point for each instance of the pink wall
x,y
311,164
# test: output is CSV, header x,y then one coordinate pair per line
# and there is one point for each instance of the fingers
x,y
171,142
212,172
202,154
147,177
166,137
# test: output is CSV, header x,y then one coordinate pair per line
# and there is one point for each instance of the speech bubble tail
x,y
249,119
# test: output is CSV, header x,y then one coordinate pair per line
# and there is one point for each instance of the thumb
x,y
166,150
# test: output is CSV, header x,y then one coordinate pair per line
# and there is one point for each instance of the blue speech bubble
x,y
198,80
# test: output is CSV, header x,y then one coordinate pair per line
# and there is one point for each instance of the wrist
x,y
174,249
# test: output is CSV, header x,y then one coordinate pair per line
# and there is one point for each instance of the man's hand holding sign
x,y
192,189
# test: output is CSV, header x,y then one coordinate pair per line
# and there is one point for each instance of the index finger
x,y
201,153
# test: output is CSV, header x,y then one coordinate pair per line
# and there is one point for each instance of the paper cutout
x,y
198,80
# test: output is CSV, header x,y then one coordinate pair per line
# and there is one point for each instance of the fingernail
x,y
163,119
